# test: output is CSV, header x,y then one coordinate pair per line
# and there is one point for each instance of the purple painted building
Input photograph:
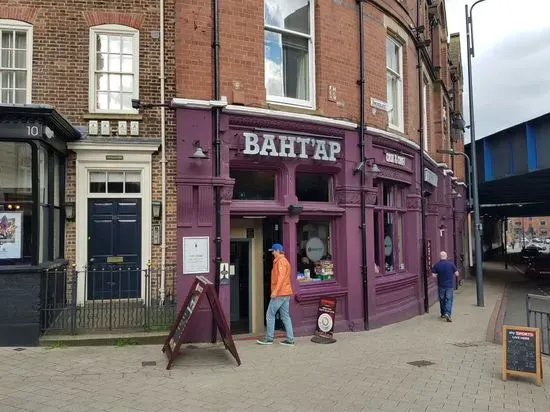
x,y
294,179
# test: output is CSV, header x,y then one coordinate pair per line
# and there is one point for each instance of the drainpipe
x,y
163,158
217,150
421,154
363,227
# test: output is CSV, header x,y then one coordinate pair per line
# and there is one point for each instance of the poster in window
x,y
10,235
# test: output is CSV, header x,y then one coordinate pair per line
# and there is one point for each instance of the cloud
x,y
512,51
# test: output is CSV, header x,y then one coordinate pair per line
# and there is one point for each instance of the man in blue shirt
x,y
445,270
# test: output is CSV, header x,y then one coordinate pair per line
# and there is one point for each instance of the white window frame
x,y
310,104
401,112
425,94
22,26
110,29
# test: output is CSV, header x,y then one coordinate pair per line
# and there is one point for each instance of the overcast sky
x,y
511,63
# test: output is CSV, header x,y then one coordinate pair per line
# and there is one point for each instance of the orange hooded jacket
x,y
281,284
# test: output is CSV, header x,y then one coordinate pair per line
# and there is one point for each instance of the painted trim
x,y
256,111
531,142
198,104
111,29
84,146
93,158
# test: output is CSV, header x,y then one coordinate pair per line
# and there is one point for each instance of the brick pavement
x,y
365,371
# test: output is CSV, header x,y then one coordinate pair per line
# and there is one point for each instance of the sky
x,y
511,63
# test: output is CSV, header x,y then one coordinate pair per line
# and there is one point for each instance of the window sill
x,y
292,107
112,116
396,129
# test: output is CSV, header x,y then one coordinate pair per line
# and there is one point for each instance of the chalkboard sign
x,y
521,354
201,286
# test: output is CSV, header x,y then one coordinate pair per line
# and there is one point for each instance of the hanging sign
x,y
290,146
326,314
11,235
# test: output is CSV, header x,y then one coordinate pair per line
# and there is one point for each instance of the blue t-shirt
x,y
445,270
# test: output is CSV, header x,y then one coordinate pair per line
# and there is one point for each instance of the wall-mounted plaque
x,y
196,255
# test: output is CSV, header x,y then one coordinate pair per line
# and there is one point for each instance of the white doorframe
x,y
91,157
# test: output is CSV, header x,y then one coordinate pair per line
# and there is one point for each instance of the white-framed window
x,y
394,79
15,62
114,68
425,95
289,52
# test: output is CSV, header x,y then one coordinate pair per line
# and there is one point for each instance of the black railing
x,y
538,316
107,298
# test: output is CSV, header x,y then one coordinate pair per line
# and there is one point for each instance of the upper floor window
x,y
394,80
288,44
114,68
15,62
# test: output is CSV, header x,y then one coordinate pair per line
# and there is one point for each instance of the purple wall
x,y
391,297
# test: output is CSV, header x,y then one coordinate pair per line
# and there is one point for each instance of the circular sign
x,y
315,249
324,322
388,246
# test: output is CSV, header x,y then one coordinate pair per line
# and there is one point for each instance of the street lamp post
x,y
477,223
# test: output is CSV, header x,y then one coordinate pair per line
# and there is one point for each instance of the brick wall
x,y
336,57
60,76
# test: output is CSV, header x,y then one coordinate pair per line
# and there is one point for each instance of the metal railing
x,y
107,298
538,316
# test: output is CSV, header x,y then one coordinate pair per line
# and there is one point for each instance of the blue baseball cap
x,y
276,247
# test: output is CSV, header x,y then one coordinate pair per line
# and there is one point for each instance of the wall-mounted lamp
x,y
295,210
70,211
455,194
156,208
198,151
372,170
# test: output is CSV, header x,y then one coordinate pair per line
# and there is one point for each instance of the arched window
x,y
15,62
114,68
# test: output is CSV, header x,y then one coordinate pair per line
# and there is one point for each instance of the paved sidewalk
x,y
364,371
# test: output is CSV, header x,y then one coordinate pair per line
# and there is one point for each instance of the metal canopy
x,y
516,196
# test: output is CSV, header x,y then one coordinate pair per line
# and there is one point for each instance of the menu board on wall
x,y
11,234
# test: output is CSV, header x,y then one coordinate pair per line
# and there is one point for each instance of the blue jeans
x,y
279,304
446,300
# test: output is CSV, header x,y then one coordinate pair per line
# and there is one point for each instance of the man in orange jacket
x,y
281,291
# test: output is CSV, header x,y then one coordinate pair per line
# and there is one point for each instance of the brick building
x,y
265,141
87,60
532,227
281,126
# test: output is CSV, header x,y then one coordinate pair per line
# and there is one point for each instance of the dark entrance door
x,y
114,248
272,231
240,286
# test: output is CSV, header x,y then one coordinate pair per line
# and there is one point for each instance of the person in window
x,y
304,263
445,270
281,291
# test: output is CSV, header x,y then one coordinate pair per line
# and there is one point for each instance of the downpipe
x,y
362,159
162,159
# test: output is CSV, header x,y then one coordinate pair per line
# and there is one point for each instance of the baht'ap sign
x,y
290,146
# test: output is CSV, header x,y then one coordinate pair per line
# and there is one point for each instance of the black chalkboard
x,y
521,354
521,351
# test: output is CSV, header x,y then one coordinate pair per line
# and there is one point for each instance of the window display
x,y
388,229
314,259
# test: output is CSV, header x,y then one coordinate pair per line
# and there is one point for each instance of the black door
x,y
272,232
114,248
240,286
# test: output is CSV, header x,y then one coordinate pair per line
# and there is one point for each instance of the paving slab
x,y
362,371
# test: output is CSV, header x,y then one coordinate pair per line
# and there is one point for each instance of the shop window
x,y
288,48
15,62
314,258
389,229
114,68
16,217
115,182
313,187
253,185
21,215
